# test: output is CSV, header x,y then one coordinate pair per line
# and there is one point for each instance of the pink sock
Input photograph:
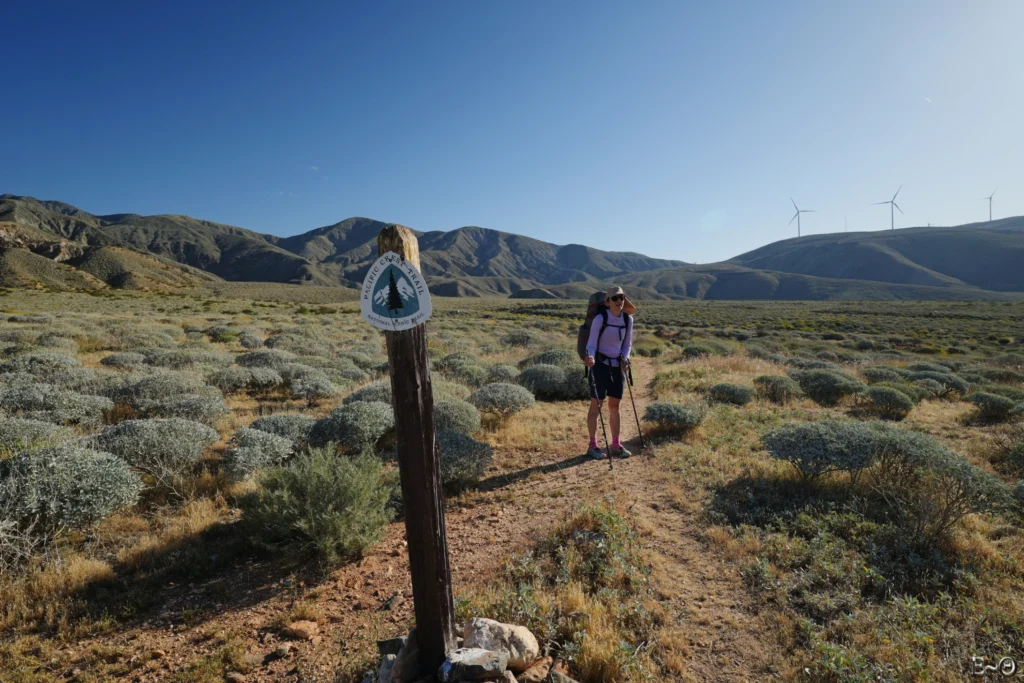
x,y
616,444
593,442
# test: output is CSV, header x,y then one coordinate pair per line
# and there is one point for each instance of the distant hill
x,y
469,261
59,246
981,255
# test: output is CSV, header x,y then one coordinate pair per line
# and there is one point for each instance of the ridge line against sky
x,y
670,129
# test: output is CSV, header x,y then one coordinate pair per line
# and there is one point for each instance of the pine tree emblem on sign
x,y
394,295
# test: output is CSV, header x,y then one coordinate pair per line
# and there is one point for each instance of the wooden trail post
x,y
419,467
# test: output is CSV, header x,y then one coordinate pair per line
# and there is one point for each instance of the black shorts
x,y
607,381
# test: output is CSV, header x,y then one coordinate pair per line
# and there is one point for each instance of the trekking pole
x,y
600,412
629,384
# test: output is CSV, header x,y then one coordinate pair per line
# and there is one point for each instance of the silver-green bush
x,y
124,359
253,449
560,357
825,387
501,399
66,487
49,404
374,391
205,409
673,418
334,506
735,394
778,389
168,449
456,416
993,407
463,460
889,403
295,428
355,427
502,373
265,358
40,365
817,448
18,434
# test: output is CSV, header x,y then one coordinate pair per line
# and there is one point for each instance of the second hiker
x,y
608,347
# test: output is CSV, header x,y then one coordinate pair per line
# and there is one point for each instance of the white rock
x,y
516,641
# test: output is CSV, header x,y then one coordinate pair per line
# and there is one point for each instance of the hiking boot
x,y
595,454
620,452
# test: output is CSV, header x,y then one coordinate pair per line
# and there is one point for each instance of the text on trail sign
x,y
394,294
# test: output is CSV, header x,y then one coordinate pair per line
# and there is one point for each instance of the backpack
x,y
595,307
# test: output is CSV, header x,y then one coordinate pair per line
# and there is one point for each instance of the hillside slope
x,y
982,255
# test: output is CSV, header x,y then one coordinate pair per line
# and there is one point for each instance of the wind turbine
x,y
892,203
989,198
796,216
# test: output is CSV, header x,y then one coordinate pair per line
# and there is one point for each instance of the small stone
x,y
391,646
283,651
407,663
234,677
157,654
537,672
473,664
387,663
517,642
316,640
302,630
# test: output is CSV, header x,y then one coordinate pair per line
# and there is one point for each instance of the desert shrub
x,y
314,389
554,383
813,364
1012,393
673,418
889,403
124,359
133,390
53,341
444,390
319,502
574,385
362,360
777,388
40,365
522,338
375,391
456,416
950,383
992,407
736,394
817,448
463,460
168,449
560,357
180,358
502,373
250,340
295,428
929,488
205,409
32,318
78,380
975,379
264,358
1000,374
928,367
235,380
501,399
298,371
18,434
354,375
49,404
355,427
470,374
253,449
827,388
65,487
697,351
11,380
881,373
928,388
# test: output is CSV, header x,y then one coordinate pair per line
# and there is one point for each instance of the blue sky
x,y
677,129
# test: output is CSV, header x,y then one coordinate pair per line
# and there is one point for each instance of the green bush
x,y
778,389
253,449
463,460
673,418
827,388
735,394
295,428
205,409
180,358
560,357
501,399
881,373
40,365
817,448
355,427
929,488
444,390
456,416
336,507
18,434
236,380
502,373
314,389
992,407
125,359
167,449
950,383
374,391
1012,393
928,367
265,358
697,351
889,403
522,338
547,382
65,487
928,388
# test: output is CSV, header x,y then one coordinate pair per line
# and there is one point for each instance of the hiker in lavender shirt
x,y
607,359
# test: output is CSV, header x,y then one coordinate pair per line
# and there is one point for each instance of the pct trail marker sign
x,y
395,298
394,295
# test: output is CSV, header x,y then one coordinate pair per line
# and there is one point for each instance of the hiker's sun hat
x,y
627,305
613,291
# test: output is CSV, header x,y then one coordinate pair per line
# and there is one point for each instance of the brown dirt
x,y
722,639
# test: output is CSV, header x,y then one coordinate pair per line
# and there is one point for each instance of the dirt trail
x,y
371,599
